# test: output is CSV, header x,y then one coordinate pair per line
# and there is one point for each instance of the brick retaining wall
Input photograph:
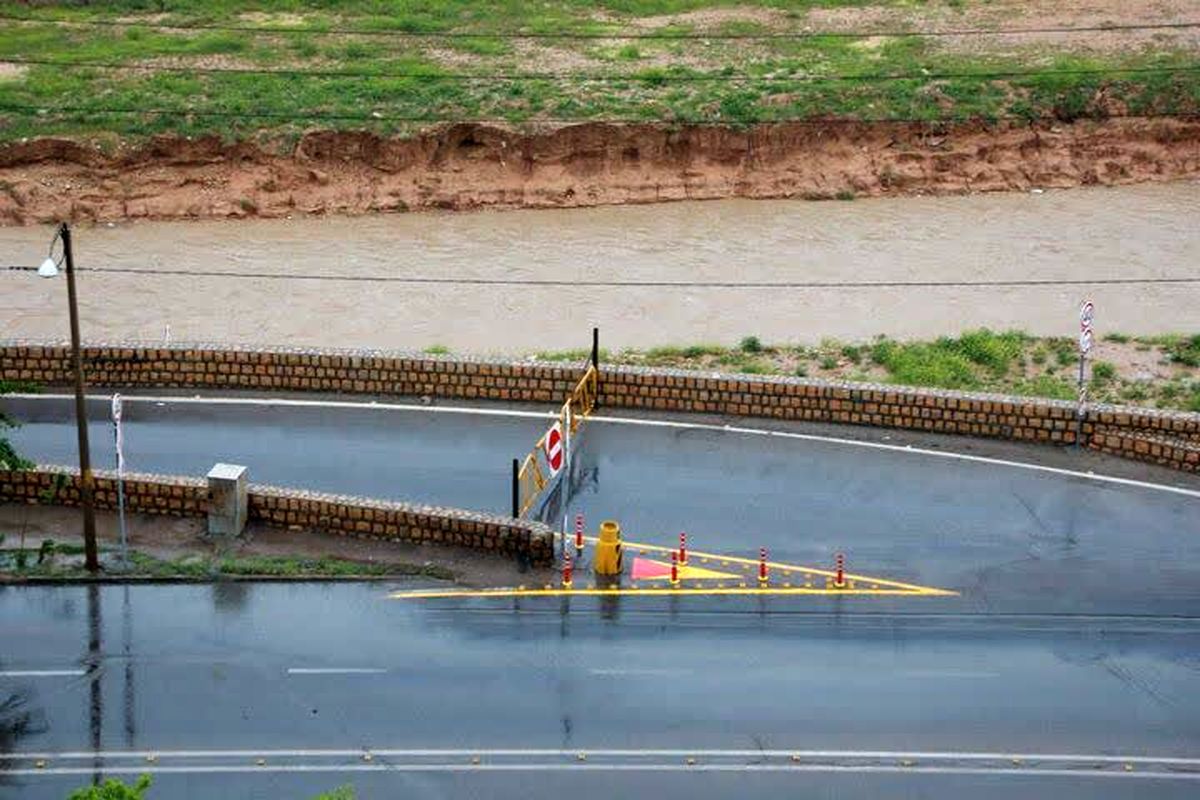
x,y
1163,437
293,509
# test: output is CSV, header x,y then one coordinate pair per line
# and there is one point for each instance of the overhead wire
x,y
654,284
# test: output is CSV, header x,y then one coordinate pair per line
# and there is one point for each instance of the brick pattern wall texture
x,y
296,510
1168,438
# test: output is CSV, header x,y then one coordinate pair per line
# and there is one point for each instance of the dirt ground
x,y
172,538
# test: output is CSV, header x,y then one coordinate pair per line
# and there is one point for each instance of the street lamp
x,y
49,269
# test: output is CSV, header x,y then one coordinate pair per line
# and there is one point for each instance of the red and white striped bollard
x,y
839,580
682,548
763,576
566,575
579,532
674,569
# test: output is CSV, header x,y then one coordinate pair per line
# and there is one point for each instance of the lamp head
x,y
48,269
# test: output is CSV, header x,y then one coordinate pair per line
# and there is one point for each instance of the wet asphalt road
x,y
1010,540
1075,631
173,669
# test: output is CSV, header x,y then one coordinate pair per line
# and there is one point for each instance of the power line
x,y
651,77
41,111
567,283
675,35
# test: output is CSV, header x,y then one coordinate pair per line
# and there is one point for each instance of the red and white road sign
x,y
1087,313
1085,341
554,448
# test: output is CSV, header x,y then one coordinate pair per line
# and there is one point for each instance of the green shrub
x,y
113,789
1046,386
751,344
853,353
1103,372
1185,351
1118,338
828,362
801,371
996,351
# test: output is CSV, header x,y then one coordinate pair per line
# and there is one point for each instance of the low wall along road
x,y
1167,438
299,510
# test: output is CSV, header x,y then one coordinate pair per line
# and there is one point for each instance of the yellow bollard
x,y
607,560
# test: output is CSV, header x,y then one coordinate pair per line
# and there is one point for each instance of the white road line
x,y
699,753
585,767
946,673
627,672
655,423
42,673
291,402
335,670
922,451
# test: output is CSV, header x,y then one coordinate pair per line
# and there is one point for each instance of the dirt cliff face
x,y
476,166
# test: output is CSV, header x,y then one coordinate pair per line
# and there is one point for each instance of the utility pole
x,y
91,556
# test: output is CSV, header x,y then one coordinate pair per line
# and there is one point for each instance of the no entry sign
x,y
554,448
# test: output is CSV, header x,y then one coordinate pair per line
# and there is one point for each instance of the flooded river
x,y
538,280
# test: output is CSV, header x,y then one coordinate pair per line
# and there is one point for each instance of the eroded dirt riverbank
x,y
471,166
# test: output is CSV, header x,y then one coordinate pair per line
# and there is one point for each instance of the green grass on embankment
x,y
1161,371
691,71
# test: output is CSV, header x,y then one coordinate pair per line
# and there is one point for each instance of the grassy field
x,y
1159,371
240,69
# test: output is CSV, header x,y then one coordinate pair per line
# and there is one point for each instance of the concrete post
x,y
227,501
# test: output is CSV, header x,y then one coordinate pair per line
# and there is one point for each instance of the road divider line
x,y
335,670
42,673
661,423
917,756
482,766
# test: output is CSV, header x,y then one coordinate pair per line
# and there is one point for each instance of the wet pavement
x,y
183,671
1010,540
1075,632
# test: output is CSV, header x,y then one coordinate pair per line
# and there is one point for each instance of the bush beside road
x,y
1157,371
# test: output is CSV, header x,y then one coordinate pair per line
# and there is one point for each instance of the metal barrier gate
x,y
533,474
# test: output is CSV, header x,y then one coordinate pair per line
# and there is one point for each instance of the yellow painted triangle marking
x,y
879,587
687,572
897,587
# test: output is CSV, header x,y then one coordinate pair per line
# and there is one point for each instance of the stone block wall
x,y
296,510
401,522
1168,438
144,494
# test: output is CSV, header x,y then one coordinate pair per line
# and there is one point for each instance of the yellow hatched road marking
x,y
879,587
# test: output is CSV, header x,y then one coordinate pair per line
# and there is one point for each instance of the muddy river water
x,y
537,280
